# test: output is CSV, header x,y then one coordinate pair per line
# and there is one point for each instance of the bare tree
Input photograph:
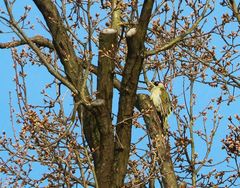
x,y
106,50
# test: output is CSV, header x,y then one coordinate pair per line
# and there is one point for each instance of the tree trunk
x,y
135,42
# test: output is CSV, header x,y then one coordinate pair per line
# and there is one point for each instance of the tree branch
x,y
160,143
180,37
106,65
41,56
235,10
131,72
38,40
61,42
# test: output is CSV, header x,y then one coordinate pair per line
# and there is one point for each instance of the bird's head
x,y
159,84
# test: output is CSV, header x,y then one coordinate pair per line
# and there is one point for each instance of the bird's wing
x,y
167,107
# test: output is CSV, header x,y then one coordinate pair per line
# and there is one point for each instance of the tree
x,y
101,50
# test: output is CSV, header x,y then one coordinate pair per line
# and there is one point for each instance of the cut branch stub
x,y
131,72
106,65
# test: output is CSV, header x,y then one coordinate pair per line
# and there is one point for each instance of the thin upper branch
x,y
38,40
36,49
180,37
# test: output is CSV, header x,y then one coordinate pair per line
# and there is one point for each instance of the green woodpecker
x,y
161,101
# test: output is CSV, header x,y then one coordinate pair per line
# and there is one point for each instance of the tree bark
x,y
131,72
61,41
106,65
159,140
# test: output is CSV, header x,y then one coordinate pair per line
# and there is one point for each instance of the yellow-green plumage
x,y
161,101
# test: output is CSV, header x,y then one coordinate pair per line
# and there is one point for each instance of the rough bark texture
x,y
110,160
73,70
128,89
155,130
106,65
61,41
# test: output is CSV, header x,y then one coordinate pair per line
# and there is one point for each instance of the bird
x,y
161,101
